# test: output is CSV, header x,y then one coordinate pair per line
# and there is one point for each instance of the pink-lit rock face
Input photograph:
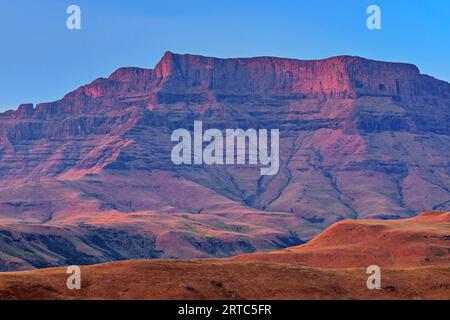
x,y
359,139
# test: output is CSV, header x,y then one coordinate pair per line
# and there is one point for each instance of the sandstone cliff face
x,y
339,77
359,139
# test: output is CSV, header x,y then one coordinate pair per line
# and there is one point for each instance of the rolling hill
x,y
413,254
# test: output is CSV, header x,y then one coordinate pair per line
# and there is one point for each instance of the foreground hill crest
x,y
412,254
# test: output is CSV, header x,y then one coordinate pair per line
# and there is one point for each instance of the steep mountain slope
x,y
418,268
359,138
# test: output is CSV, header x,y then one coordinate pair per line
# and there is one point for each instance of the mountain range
x,y
89,178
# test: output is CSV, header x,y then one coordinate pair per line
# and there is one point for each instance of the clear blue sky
x,y
41,60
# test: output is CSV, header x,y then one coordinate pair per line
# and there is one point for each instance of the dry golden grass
x,y
332,266
217,279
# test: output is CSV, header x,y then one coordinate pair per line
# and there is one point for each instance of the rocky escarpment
x,y
359,139
339,77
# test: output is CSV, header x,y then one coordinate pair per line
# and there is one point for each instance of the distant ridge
x,y
340,76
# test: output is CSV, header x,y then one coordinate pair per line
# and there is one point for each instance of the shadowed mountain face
x,y
89,178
